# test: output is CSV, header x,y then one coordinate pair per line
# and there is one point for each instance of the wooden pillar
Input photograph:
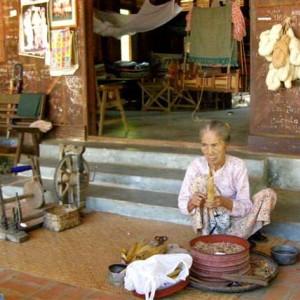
x,y
111,46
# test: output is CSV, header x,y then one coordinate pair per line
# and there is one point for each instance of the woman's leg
x,y
260,215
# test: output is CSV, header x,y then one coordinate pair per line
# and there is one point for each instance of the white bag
x,y
146,276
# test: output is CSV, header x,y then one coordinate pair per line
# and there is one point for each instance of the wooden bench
x,y
217,82
17,112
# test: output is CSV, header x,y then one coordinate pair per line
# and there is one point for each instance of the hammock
x,y
148,18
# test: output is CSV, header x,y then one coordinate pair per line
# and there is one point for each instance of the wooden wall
x,y
275,124
70,98
67,95
275,116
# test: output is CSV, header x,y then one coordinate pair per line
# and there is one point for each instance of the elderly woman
x,y
215,189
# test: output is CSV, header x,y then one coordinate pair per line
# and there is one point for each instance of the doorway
x,y
176,126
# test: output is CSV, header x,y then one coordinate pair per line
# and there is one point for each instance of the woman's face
x,y
214,149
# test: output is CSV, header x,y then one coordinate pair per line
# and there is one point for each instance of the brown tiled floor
x,y
15,285
73,264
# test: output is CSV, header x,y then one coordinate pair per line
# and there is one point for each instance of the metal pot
x,y
116,274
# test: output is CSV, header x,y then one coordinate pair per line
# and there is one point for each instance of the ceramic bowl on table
x,y
285,254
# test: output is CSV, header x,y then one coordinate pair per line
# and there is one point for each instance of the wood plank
x,y
267,5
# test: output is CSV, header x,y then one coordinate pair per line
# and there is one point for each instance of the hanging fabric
x,y
148,18
211,42
238,21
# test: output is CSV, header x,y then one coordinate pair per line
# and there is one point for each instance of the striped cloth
x,y
211,42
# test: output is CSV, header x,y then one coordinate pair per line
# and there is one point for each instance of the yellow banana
x,y
175,273
142,250
150,250
133,250
124,257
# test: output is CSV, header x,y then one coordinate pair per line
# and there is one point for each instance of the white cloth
x,y
146,276
42,125
148,18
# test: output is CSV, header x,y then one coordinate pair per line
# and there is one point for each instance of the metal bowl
x,y
284,254
116,274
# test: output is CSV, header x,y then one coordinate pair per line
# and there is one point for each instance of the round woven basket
x,y
210,267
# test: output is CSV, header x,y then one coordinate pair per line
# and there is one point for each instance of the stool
x,y
110,98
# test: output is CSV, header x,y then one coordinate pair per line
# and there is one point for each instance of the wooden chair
x,y
157,90
156,94
185,84
17,112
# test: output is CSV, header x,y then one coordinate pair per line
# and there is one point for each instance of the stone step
x,y
154,159
163,206
145,183
126,176
162,180
280,171
137,178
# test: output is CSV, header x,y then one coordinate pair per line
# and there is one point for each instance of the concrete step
x,y
127,176
145,183
280,171
163,206
139,169
285,217
149,158
136,163
163,180
134,175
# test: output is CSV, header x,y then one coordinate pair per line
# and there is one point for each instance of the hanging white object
x,y
148,18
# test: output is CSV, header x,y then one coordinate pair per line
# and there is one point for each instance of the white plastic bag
x,y
146,276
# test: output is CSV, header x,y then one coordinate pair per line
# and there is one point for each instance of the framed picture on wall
x,y
34,28
63,13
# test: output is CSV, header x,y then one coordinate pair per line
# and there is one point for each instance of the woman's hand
x,y
215,203
198,200
218,202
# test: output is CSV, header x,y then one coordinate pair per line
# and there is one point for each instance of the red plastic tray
x,y
167,291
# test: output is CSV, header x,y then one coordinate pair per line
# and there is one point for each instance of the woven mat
x,y
80,256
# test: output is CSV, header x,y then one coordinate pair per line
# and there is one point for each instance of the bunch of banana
x,y
142,250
